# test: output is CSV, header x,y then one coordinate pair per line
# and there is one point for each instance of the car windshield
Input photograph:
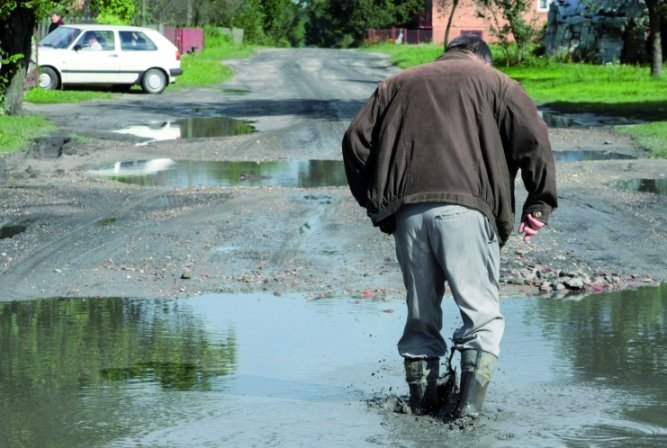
x,y
61,37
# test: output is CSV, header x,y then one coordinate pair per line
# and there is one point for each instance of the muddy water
x,y
657,186
296,173
186,128
555,119
258,370
188,173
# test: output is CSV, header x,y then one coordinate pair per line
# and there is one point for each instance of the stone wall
x,y
599,31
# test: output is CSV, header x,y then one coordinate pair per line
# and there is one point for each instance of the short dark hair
x,y
471,43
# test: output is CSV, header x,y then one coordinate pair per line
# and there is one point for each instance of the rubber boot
x,y
422,378
476,369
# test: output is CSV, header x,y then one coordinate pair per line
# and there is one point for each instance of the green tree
x,y
509,24
17,26
114,12
251,19
344,23
281,19
657,10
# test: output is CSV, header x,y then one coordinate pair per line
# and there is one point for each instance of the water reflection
x,y
618,341
258,370
187,173
555,119
197,127
582,156
296,173
657,186
63,380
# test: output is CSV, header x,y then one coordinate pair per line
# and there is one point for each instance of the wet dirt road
x,y
67,232
87,236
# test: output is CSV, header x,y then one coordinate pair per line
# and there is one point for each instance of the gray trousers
x,y
438,243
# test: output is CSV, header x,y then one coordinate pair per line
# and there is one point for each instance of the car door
x,y
93,63
139,52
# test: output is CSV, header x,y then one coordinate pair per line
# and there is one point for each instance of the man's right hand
x,y
529,226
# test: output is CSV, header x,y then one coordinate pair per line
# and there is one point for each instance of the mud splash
x,y
259,370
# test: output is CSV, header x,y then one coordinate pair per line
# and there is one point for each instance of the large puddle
x,y
188,173
297,173
259,370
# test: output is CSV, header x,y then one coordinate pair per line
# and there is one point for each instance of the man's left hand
x,y
529,226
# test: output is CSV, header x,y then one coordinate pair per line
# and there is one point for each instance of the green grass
x,y
613,89
650,135
18,132
406,56
206,67
41,96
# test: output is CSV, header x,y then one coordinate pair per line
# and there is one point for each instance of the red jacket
x,y
451,131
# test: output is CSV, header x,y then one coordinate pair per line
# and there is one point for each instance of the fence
x,y
400,35
187,40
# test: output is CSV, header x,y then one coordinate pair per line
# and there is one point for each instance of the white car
x,y
108,54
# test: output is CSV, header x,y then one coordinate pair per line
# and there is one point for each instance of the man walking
x,y
432,156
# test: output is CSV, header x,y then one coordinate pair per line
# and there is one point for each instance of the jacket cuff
x,y
539,212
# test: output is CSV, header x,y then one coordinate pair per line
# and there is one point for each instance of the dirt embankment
x,y
69,233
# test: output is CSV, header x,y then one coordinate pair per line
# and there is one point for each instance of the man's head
x,y
55,17
471,43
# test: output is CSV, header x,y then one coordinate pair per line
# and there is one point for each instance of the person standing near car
x,y
432,156
56,21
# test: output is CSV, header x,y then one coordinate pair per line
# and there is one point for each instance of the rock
x,y
574,283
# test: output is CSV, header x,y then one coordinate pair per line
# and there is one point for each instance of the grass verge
x,y
650,135
206,67
41,96
613,89
18,132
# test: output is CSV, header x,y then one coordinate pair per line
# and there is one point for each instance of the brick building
x,y
467,20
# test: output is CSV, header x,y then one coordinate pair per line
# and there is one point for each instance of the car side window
x,y
97,40
136,41
107,40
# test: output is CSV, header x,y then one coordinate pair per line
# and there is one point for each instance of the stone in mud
x,y
574,283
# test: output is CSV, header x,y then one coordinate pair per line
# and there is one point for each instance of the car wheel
x,y
48,78
154,81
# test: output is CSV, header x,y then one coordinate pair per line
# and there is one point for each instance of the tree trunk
x,y
455,3
655,25
16,33
12,102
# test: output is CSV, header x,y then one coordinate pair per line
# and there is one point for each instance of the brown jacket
x,y
456,131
